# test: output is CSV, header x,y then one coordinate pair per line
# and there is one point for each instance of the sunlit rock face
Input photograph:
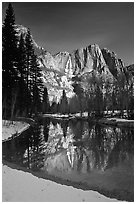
x,y
56,83
78,62
23,30
59,69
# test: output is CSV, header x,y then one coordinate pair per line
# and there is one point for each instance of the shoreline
x,y
112,196
43,188
113,121
12,129
119,122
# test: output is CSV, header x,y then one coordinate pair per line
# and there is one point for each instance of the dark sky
x,y
66,26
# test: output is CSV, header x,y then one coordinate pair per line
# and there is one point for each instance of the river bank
x,y
19,186
11,129
113,121
120,122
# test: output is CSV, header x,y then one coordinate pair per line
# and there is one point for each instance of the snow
x,y
9,128
19,186
120,120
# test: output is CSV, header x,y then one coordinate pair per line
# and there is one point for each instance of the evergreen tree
x,y
45,103
79,92
9,58
33,78
54,107
22,57
37,84
64,103
29,54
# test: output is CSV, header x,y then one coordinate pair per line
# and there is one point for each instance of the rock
x,y
59,69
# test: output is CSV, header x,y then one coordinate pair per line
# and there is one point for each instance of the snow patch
x,y
9,128
19,186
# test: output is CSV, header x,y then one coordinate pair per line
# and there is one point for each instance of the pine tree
x,y
33,78
9,48
9,58
79,92
22,57
29,53
45,103
37,84
64,103
22,64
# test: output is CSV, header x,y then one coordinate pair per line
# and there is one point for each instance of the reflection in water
x,y
74,146
89,149
86,146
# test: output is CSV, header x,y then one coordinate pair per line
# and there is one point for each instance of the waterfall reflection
x,y
90,147
71,146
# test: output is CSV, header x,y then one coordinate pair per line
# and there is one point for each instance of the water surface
x,y
86,154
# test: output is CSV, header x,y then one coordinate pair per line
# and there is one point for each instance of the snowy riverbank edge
x,y
13,129
120,122
21,186
117,122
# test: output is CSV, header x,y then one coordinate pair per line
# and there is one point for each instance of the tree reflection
x,y
104,146
81,146
28,149
64,126
77,128
123,150
46,124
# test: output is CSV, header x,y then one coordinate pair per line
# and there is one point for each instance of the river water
x,y
79,153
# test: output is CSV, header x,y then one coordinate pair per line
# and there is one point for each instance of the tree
x,y
22,78
63,103
54,107
45,103
22,57
74,106
33,77
29,53
9,56
9,48
37,84
22,64
79,92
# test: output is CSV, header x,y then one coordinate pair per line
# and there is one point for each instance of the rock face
x,y
114,64
59,69
78,62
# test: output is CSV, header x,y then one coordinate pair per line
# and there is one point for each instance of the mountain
x,y
59,69
78,62
63,66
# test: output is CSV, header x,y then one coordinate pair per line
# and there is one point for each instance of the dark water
x,y
86,154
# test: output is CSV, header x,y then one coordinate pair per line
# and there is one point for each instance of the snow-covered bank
x,y
107,121
13,129
117,121
19,186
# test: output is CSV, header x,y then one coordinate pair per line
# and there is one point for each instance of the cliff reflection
x,y
89,147
71,146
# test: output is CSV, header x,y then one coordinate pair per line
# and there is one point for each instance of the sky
x,y
61,26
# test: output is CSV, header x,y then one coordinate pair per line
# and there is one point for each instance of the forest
x,y
24,93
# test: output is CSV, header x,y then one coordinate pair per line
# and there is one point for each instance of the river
x,y
83,154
